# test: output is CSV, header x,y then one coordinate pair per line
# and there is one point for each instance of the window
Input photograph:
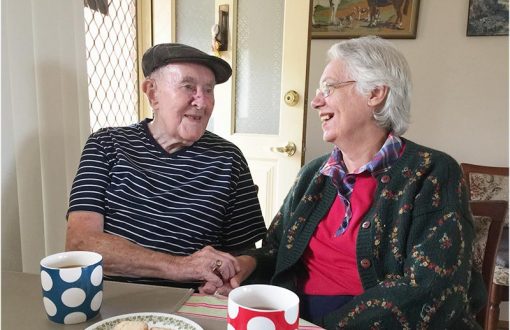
x,y
112,62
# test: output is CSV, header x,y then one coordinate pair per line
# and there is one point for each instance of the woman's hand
x,y
247,266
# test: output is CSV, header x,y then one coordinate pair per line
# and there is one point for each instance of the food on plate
x,y
137,325
131,325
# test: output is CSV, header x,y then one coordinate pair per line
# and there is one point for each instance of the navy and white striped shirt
x,y
175,203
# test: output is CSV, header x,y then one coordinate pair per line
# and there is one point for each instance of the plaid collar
x,y
344,182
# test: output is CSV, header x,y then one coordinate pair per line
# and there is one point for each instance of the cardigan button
x,y
385,179
365,263
365,225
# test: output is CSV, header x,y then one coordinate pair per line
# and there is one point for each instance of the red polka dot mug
x,y
262,307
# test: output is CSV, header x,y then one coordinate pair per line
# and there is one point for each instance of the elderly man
x,y
164,201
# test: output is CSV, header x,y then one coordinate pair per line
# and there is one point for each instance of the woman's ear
x,y
149,89
378,96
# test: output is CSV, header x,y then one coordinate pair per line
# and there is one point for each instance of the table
x,y
22,306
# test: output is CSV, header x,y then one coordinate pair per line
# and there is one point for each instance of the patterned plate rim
x,y
157,319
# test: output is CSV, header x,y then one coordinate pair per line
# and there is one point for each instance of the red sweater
x,y
331,261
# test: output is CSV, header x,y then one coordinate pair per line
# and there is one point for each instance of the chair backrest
x,y
489,220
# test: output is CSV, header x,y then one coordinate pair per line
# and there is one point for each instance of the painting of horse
x,y
353,18
400,6
331,5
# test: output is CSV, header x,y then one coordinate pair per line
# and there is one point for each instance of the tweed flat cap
x,y
163,54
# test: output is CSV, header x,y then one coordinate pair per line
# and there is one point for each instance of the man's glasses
x,y
325,89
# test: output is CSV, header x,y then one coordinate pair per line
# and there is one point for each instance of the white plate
x,y
170,321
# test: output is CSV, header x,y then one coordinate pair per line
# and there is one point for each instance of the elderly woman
x,y
164,201
378,234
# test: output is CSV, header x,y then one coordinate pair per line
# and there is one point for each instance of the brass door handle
x,y
291,98
289,149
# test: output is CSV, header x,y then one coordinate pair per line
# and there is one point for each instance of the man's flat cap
x,y
163,54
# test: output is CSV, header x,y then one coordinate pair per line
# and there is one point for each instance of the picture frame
x,y
355,18
487,18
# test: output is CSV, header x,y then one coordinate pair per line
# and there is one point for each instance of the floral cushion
x,y
501,269
502,256
482,225
488,187
500,275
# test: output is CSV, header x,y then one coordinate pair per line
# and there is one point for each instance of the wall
x,y
460,98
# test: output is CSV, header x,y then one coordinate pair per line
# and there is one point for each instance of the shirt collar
x,y
381,162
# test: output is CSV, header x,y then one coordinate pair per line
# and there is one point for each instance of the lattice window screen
x,y
110,35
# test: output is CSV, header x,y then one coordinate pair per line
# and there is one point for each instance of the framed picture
x,y
487,18
332,19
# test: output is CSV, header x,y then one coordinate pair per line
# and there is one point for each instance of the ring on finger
x,y
216,265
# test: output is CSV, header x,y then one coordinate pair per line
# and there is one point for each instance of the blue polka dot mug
x,y
72,286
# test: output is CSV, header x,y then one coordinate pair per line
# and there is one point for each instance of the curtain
x,y
45,123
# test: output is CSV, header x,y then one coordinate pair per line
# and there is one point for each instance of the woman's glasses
x,y
325,89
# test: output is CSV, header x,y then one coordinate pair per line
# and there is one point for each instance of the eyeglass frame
x,y
326,89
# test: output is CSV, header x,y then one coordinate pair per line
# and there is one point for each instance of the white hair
x,y
372,61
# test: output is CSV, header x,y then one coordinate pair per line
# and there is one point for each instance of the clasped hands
x,y
222,272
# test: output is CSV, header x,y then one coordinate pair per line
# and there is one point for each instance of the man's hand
x,y
210,265
247,266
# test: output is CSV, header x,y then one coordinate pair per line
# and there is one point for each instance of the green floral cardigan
x,y
414,247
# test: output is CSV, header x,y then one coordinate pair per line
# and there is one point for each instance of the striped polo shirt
x,y
175,203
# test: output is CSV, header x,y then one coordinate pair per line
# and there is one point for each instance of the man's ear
x,y
149,89
378,96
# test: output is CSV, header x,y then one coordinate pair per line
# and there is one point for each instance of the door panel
x,y
259,66
268,42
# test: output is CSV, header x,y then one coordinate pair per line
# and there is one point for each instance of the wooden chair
x,y
491,183
492,214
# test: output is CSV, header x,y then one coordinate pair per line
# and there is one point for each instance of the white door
x,y
268,51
